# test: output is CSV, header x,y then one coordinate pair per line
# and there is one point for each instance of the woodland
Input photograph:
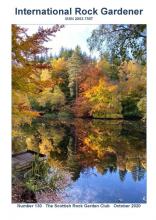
x,y
74,84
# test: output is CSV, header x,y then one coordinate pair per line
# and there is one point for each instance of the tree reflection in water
x,y
77,146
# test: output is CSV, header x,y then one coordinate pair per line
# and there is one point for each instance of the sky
x,y
68,37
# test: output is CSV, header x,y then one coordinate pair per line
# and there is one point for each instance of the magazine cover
x,y
76,109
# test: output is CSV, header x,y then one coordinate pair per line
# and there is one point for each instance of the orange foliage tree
x,y
25,67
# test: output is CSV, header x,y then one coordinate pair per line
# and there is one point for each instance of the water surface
x,y
106,158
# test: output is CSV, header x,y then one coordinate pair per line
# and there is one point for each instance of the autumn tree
x,y
59,72
132,87
51,100
88,77
25,68
104,99
108,69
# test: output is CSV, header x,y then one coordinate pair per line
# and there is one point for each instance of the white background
x,y
7,17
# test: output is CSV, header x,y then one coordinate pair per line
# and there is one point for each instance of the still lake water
x,y
105,158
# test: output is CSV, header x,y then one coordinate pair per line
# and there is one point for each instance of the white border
x,y
10,211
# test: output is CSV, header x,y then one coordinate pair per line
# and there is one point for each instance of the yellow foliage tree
x,y
59,65
104,99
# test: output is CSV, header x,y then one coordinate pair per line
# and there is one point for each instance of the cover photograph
x,y
79,113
